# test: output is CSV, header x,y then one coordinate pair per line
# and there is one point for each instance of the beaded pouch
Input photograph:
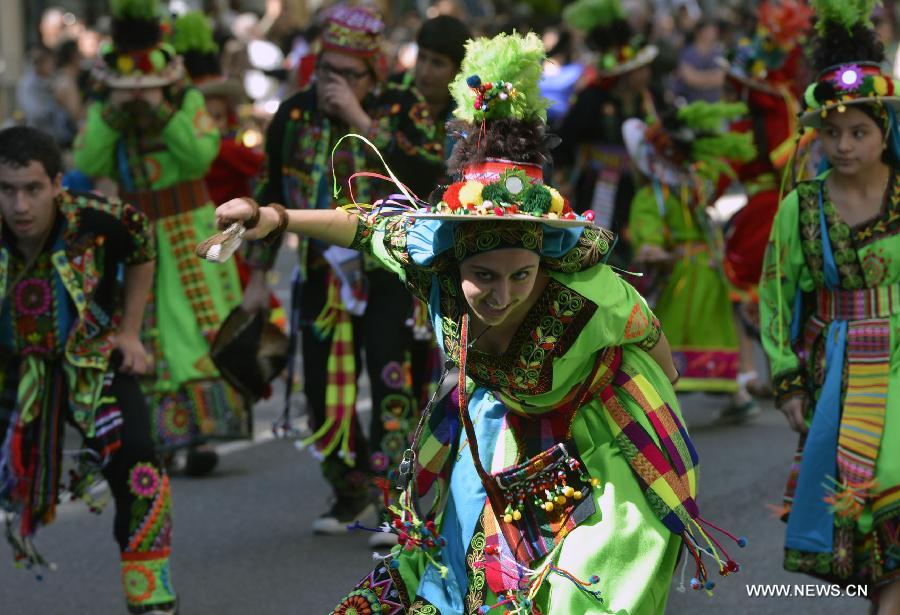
x,y
546,497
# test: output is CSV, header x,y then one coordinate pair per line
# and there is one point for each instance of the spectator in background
x,y
442,44
699,75
561,73
52,26
886,30
37,101
65,82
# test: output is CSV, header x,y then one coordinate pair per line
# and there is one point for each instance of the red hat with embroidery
x,y
355,31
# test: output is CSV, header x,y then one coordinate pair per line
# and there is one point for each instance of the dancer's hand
x,y
341,100
135,359
794,410
241,210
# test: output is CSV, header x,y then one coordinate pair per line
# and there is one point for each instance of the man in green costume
x,y
153,135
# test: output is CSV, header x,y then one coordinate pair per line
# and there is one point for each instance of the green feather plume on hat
x,y
585,15
845,12
514,59
714,147
135,9
709,117
193,32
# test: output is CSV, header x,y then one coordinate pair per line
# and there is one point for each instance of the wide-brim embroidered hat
x,y
644,155
137,57
620,50
688,141
506,190
840,86
848,56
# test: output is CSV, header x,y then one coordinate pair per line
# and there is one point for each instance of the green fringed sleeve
x,y
192,137
784,276
95,147
645,221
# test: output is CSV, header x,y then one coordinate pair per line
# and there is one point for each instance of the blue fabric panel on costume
x,y
125,177
811,521
428,238
796,316
464,506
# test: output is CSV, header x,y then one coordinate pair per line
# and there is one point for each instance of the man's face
x,y
27,200
434,72
333,67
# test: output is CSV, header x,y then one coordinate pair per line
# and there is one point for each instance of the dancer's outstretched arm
x,y
334,226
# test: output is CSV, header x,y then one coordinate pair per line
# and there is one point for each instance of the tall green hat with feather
x,y
848,56
693,139
138,57
620,50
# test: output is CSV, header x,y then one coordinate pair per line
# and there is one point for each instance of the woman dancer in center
x,y
565,480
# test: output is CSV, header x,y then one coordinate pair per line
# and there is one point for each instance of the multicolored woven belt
x,y
165,202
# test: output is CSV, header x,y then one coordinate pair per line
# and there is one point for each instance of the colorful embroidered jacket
x,y
66,306
866,257
299,160
182,149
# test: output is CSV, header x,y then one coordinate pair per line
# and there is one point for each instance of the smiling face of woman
x,y
498,282
852,141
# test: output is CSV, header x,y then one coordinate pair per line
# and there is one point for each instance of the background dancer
x,y
70,352
151,133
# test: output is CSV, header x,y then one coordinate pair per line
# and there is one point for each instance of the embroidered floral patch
x,y
876,265
144,480
393,375
139,582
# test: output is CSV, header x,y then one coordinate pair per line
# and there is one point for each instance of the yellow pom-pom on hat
x,y
880,85
124,64
556,201
470,193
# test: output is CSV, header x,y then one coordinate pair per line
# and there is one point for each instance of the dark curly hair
x,y
513,139
838,45
22,145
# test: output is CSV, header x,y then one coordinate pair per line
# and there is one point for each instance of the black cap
x,y
445,35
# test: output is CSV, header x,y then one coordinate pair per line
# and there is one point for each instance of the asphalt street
x,y
242,543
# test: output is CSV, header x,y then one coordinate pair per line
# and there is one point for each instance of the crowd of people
x,y
533,202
